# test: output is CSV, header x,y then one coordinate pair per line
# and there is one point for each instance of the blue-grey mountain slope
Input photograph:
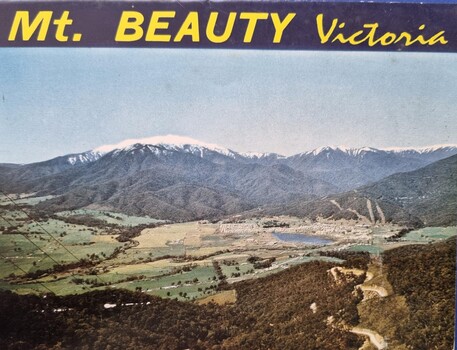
x,y
423,197
178,178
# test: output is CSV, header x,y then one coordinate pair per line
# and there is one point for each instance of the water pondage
x,y
301,238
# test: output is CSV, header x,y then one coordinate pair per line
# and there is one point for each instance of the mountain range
x,y
423,197
178,178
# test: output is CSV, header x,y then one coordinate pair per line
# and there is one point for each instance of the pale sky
x,y
60,101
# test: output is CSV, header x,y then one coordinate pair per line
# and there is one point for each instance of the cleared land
x,y
183,260
220,298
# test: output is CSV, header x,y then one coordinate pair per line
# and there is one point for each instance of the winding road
x,y
381,291
375,338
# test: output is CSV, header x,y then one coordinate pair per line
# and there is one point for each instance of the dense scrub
x,y
275,313
425,275
270,313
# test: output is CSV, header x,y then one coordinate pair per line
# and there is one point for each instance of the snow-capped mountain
x,y
166,145
342,166
449,149
161,144
176,177
343,149
349,167
423,149
158,144
323,157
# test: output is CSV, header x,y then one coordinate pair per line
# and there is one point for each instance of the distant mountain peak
x,y
259,155
357,151
167,141
353,151
423,149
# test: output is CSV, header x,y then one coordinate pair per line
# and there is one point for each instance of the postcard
x,y
227,175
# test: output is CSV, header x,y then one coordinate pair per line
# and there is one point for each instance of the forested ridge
x,y
273,312
425,275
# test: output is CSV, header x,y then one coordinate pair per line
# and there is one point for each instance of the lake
x,y
300,238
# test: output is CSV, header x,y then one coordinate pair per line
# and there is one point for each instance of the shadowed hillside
x,y
427,196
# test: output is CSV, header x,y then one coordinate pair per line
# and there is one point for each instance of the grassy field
x,y
30,257
11,217
221,298
372,249
430,234
161,237
420,236
142,266
171,260
191,234
27,199
132,268
111,217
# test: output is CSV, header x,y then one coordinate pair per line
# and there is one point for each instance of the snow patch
x,y
86,157
259,155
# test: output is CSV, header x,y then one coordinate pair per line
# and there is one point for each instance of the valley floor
x,y
83,250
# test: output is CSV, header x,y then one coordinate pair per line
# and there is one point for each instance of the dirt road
x,y
376,339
